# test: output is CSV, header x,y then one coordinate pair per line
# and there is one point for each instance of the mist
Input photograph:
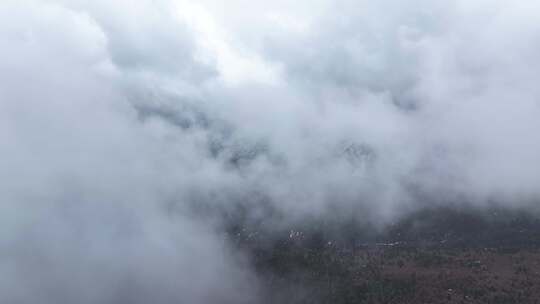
x,y
129,128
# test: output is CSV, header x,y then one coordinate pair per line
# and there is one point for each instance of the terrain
x,y
439,255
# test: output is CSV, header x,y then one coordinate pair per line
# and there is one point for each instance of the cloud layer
x,y
117,118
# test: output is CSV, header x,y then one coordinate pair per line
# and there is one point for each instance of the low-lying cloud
x,y
118,119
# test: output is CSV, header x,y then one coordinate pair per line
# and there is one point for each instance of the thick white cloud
x,y
444,93
117,117
85,185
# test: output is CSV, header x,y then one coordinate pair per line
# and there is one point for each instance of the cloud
x,y
117,120
85,184
443,93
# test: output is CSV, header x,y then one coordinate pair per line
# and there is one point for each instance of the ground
x,y
435,256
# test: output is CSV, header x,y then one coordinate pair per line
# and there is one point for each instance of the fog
x,y
120,122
